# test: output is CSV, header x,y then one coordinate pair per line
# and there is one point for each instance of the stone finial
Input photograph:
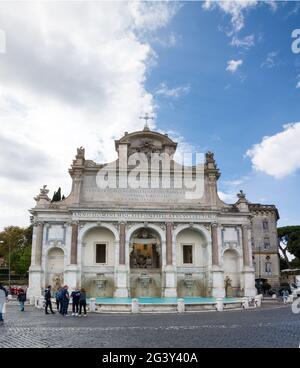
x,y
242,202
42,198
79,158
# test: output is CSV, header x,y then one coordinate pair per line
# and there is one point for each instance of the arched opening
x,y
55,268
145,263
231,269
192,260
98,260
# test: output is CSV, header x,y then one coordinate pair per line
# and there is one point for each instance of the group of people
x,y
63,298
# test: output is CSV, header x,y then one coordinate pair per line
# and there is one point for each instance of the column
x,y
72,270
170,272
215,245
248,271
122,244
121,273
39,243
74,243
245,241
35,270
218,288
169,243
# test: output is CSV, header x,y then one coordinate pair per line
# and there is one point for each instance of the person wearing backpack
x,y
65,298
22,299
75,295
48,302
3,300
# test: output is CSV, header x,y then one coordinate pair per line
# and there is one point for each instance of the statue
x,y
228,287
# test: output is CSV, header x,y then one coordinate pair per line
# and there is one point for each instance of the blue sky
x,y
230,112
218,76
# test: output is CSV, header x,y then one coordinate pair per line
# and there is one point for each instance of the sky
x,y
218,76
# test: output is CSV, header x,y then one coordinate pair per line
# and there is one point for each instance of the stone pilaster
x,y
170,272
169,229
122,244
121,273
218,288
35,270
39,243
74,243
248,271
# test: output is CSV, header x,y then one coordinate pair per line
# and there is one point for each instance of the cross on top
x,y
146,118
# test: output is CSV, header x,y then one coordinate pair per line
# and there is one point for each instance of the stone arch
x,y
232,270
55,261
193,278
90,226
201,229
154,227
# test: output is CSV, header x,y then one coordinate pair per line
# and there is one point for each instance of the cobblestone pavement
x,y
271,326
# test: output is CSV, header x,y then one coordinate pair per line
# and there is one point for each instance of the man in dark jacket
x,y
75,295
65,300
48,302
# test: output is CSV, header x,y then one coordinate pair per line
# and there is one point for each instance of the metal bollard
x,y
93,305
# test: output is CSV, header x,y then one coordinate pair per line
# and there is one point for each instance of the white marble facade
x,y
119,242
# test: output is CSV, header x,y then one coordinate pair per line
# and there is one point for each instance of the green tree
x,y
289,241
16,241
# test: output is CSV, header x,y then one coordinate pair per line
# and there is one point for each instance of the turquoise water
x,y
187,300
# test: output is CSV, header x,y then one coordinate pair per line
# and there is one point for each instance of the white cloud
x,y
73,75
233,65
245,42
164,90
298,84
227,197
235,9
271,60
278,155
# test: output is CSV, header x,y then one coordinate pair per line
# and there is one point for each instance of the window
x,y
268,266
267,244
265,225
187,254
100,253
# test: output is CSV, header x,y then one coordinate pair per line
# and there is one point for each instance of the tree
x,y
289,241
16,241
57,196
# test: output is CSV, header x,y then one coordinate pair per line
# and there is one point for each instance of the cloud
x,y
298,84
164,90
235,9
271,60
278,155
227,197
245,42
233,65
73,74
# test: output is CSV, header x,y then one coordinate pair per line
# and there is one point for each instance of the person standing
x,y
22,299
58,299
48,302
65,300
3,300
75,295
82,302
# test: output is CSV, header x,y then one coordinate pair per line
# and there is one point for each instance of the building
x,y
158,239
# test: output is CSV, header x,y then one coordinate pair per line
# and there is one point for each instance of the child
x,y
22,299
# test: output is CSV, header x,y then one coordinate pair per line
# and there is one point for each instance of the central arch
x,y
145,262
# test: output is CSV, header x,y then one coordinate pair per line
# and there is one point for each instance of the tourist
x,y
48,302
58,299
65,298
285,296
22,299
82,302
75,295
3,300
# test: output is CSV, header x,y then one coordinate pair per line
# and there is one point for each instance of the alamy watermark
x,y
154,170
296,42
2,42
